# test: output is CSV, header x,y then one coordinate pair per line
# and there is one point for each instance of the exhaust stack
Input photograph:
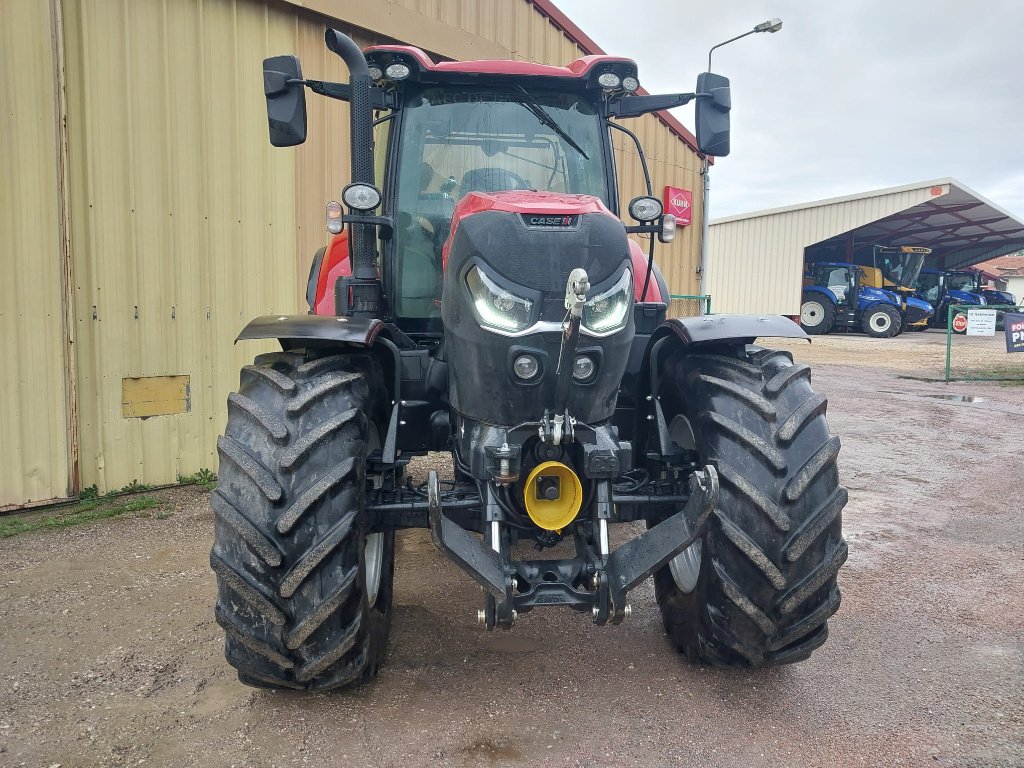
x,y
364,268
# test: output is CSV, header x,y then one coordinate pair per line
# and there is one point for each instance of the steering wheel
x,y
492,180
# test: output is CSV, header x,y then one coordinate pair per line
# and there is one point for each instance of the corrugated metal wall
x,y
34,447
184,222
755,261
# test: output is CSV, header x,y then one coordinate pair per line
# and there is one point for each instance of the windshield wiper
x,y
544,116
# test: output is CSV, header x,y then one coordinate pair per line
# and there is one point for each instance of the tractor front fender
x,y
690,334
725,328
294,330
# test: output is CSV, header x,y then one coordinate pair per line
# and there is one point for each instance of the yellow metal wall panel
x,y
155,396
34,449
183,219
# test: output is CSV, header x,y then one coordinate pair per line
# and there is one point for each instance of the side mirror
x,y
712,114
286,101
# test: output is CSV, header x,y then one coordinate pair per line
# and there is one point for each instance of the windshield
x,y
901,268
960,281
456,142
835,278
928,286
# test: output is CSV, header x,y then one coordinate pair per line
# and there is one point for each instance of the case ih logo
x,y
532,220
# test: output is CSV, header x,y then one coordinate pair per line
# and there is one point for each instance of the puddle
x,y
493,750
950,398
958,398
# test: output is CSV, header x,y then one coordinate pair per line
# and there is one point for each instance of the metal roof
x,y
960,226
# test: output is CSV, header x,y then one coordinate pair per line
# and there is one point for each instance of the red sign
x,y
960,323
679,202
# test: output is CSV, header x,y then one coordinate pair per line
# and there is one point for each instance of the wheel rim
x,y
373,559
881,321
812,313
685,567
373,548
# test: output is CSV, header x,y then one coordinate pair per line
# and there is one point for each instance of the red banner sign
x,y
679,202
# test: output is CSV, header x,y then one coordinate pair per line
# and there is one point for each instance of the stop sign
x,y
960,322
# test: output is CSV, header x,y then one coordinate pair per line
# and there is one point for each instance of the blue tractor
x,y
945,290
835,296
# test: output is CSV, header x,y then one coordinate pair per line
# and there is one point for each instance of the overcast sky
x,y
850,95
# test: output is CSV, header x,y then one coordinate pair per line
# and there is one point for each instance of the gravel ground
x,y
111,656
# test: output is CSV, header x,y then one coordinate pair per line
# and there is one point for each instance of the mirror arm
x,y
643,229
634,106
386,223
379,98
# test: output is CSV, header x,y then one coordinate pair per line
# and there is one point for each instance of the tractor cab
x,y
946,289
897,269
478,139
840,279
973,282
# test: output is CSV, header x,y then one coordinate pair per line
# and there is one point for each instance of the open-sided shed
x,y
755,260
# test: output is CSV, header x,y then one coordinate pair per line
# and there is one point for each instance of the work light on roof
x,y
609,80
375,73
397,71
630,84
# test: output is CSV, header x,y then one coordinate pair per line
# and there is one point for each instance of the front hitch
x,y
591,582
637,559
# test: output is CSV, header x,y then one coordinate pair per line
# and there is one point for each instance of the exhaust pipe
x,y
361,133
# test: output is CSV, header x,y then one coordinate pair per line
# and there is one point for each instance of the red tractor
x,y
485,299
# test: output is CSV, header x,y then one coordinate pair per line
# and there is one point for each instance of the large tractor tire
x,y
760,585
882,321
817,314
303,588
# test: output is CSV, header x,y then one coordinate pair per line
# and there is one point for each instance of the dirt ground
x,y
111,656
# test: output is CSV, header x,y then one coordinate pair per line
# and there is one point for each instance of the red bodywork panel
x,y
577,69
550,204
523,201
334,266
639,259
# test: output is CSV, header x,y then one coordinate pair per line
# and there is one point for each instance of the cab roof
x,y
579,73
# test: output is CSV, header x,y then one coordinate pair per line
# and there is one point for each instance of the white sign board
x,y
981,322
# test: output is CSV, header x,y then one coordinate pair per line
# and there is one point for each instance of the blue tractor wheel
x,y
882,321
817,314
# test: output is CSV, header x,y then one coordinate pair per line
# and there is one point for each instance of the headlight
x,y
607,311
609,80
496,307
